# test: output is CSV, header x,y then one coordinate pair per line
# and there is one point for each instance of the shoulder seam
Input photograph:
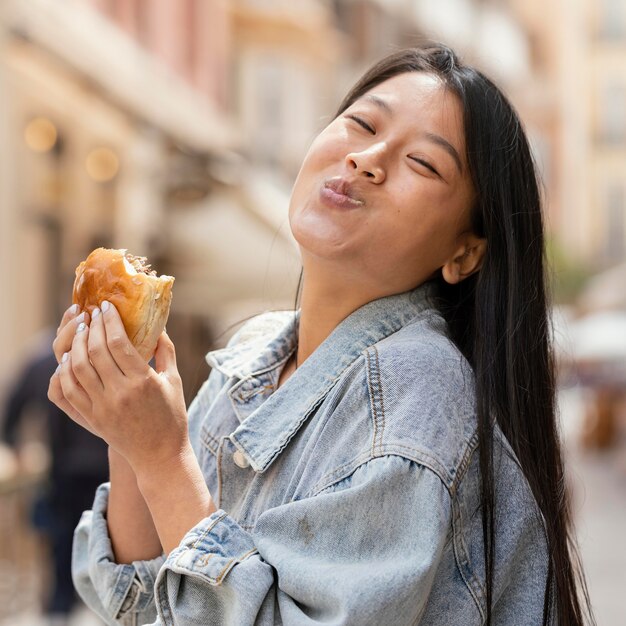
x,y
344,471
376,400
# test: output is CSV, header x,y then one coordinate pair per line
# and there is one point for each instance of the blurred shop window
x,y
612,23
615,234
612,120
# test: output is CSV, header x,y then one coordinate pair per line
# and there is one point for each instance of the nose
x,y
368,163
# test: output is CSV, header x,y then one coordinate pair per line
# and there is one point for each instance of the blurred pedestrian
x,y
78,464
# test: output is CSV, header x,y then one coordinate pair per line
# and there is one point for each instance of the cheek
x,y
327,149
422,221
324,158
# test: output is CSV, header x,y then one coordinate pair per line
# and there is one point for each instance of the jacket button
x,y
239,459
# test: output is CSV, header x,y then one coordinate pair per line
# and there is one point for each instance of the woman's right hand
x,y
62,344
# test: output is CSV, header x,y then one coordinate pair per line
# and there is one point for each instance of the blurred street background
x,y
176,128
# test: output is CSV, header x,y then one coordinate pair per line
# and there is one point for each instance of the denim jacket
x,y
349,495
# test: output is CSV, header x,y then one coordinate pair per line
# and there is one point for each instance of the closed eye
x,y
426,164
362,123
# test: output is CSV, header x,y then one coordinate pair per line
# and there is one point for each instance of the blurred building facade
x,y
176,129
116,130
582,45
593,104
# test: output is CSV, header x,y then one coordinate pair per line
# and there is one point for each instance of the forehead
x,y
420,99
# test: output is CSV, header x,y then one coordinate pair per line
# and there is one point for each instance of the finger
x,y
83,370
122,350
72,391
65,335
165,355
70,313
55,395
99,355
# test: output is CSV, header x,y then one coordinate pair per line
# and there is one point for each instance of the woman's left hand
x,y
138,411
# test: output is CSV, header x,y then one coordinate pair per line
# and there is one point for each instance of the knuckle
x,y
94,349
70,392
124,401
53,392
79,365
116,342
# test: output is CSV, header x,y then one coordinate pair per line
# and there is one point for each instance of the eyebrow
x,y
432,137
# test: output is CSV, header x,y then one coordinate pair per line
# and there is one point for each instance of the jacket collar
x,y
258,347
273,421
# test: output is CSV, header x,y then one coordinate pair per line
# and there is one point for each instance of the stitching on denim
x,y
267,459
419,456
424,458
218,471
456,532
254,392
220,577
217,580
131,600
209,441
125,578
372,401
465,461
163,604
382,403
338,474
206,531
231,563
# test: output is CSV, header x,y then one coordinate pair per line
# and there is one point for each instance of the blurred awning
x,y
233,254
108,60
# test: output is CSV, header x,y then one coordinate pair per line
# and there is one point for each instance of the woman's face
x,y
399,150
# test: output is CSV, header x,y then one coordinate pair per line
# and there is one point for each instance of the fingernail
x,y
80,318
73,309
95,313
104,306
81,327
65,357
57,370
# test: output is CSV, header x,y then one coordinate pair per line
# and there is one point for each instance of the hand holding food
x,y
104,381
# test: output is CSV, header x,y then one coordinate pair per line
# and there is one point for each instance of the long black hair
x,y
498,317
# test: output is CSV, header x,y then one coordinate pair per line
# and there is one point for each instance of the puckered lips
x,y
339,192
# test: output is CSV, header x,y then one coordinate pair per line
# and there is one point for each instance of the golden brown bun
x,y
142,300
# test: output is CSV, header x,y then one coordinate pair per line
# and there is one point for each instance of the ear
x,y
466,261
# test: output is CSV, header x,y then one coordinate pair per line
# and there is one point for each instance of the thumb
x,y
165,355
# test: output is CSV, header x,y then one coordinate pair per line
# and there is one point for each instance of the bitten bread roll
x,y
141,297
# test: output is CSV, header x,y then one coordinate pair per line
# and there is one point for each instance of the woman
x,y
410,470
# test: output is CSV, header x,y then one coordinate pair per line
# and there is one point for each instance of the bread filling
x,y
137,265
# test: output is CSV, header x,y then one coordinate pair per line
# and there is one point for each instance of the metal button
x,y
239,459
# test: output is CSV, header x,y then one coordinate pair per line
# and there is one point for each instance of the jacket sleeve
x,y
123,593
363,551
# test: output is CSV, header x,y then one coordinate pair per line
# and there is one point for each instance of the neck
x,y
324,305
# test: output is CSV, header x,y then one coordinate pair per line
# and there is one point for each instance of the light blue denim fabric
x,y
350,495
